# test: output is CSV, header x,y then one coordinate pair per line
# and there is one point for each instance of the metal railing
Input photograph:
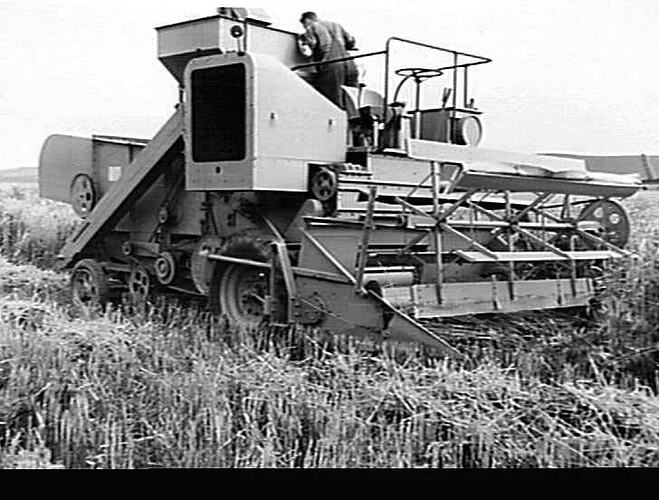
x,y
474,60
461,62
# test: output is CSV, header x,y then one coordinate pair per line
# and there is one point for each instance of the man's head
x,y
307,18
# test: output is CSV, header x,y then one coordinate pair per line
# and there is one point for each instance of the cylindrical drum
x,y
467,131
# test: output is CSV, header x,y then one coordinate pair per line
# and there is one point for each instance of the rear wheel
x,y
89,283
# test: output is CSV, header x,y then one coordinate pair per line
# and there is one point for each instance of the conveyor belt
x,y
121,196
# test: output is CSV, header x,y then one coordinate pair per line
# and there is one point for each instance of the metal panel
x,y
142,213
281,174
398,169
490,169
180,43
191,205
288,126
106,155
63,157
280,44
344,310
295,125
342,247
490,297
643,165
114,204
436,151
482,180
221,175
188,37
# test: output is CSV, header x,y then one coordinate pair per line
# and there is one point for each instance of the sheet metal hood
x,y
234,29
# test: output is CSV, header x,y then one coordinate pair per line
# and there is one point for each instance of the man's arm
x,y
309,38
303,46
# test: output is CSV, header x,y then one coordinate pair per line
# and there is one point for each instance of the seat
x,y
369,98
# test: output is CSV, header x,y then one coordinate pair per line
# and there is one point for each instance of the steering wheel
x,y
419,74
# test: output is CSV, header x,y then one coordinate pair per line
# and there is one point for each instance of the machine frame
x,y
368,221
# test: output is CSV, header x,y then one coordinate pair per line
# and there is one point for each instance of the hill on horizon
x,y
621,164
20,174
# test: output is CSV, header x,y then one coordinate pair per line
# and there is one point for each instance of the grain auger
x,y
275,204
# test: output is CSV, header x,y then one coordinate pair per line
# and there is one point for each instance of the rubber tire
x,y
227,284
243,247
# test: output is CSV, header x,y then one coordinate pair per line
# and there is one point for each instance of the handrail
x,y
442,49
338,59
474,60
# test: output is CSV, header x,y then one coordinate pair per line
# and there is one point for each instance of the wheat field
x,y
170,386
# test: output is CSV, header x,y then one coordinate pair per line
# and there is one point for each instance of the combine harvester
x,y
277,205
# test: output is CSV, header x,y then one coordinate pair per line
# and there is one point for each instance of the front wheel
x,y
239,292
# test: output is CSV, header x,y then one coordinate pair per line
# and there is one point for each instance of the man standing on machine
x,y
327,40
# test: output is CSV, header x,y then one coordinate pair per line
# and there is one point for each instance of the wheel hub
x,y
83,195
324,184
242,293
612,218
251,298
165,267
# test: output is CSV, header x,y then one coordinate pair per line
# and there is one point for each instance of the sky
x,y
571,76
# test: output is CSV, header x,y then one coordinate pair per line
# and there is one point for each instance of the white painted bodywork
x,y
289,125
